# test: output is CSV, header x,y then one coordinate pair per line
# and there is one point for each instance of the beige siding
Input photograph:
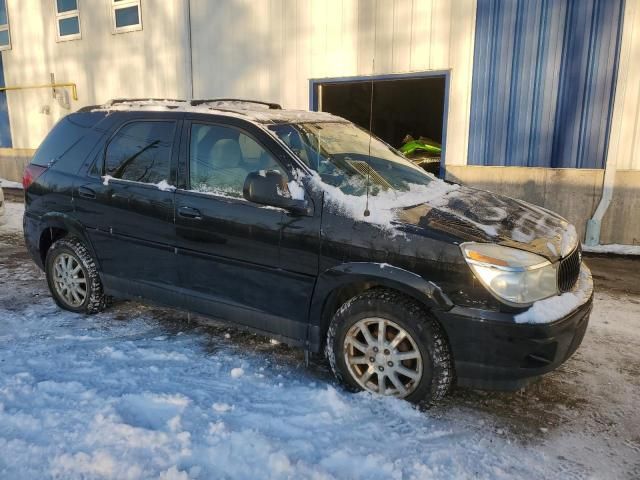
x,y
624,147
265,49
144,63
270,49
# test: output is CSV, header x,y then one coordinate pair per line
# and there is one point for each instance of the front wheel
x,y
386,343
73,278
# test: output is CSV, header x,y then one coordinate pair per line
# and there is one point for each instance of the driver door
x,y
229,248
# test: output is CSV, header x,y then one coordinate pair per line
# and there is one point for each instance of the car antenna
x,y
373,69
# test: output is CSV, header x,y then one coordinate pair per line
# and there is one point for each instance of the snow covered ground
x,y
141,392
613,248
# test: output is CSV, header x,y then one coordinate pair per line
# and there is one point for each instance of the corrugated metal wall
x,y
544,82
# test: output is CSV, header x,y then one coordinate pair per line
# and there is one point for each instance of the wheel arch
x,y
58,225
336,285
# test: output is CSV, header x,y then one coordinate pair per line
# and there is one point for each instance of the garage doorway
x,y
408,110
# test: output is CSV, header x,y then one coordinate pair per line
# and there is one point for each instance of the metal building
x,y
538,99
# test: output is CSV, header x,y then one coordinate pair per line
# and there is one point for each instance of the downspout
x,y
189,55
594,224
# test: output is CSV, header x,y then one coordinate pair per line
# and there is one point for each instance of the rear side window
x,y
64,135
141,152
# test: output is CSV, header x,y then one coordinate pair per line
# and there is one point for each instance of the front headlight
x,y
515,277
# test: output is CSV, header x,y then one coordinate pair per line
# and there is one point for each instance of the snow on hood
x,y
384,206
478,215
466,213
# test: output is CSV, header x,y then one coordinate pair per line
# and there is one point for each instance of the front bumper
x,y
493,351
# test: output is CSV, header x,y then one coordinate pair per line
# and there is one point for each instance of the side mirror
x,y
268,188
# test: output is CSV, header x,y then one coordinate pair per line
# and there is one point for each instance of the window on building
x,y
141,152
220,158
67,19
125,15
5,36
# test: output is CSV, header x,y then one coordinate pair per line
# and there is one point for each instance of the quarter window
x,y
220,158
141,152
67,19
125,15
5,35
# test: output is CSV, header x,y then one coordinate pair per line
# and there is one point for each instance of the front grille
x,y
569,270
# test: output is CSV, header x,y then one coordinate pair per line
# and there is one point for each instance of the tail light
x,y
31,174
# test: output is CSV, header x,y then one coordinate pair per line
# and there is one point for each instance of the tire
x,y
70,251
432,374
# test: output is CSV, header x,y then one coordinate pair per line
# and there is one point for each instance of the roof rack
x,y
271,106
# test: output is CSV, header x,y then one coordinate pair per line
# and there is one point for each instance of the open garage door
x,y
408,111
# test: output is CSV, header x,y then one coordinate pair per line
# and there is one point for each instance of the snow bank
x,y
12,219
9,184
554,308
613,248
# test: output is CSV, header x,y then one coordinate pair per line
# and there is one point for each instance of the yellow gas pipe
x,y
74,91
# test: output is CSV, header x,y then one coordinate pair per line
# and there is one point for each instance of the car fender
x,y
382,274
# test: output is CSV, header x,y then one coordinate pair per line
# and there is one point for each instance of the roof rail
x,y
115,101
271,106
88,108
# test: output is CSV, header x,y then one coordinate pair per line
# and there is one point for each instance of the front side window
x,y
220,158
141,152
347,157
5,35
67,19
125,15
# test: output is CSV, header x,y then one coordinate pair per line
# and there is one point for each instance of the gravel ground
x,y
99,397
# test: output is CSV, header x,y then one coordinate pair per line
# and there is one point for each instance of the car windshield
x,y
347,157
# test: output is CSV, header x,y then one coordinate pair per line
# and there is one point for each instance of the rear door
x,y
229,248
134,231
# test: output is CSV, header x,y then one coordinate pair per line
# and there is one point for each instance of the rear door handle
x,y
85,192
190,212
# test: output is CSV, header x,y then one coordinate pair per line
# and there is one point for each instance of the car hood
x,y
469,214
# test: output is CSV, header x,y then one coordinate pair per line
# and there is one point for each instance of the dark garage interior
x,y
401,107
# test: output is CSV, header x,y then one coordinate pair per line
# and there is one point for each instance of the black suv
x,y
304,227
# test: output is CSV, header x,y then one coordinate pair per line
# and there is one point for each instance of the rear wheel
x,y
386,343
73,278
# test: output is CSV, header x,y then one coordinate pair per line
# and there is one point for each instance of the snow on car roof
x,y
260,112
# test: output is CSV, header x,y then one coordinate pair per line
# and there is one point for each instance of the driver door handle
x,y
189,212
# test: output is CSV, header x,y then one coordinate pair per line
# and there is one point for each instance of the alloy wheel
x,y
383,357
69,280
